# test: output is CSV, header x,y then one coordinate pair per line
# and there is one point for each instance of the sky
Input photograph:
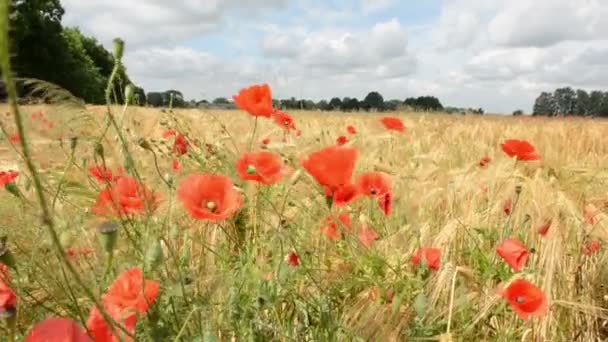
x,y
494,54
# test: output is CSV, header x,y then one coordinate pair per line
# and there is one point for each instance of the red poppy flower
x,y
342,140
283,120
262,167
7,177
266,141
169,133
180,146
256,100
483,162
176,166
130,290
514,253
351,130
591,247
125,196
14,138
344,195
293,260
430,255
386,203
37,115
57,330
521,149
508,206
393,124
590,213
374,184
368,236
332,167
331,229
209,197
544,229
99,329
101,174
8,298
525,299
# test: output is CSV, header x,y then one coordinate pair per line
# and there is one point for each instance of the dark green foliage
x,y
566,101
373,101
424,103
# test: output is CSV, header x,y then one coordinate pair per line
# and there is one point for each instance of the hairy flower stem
x,y
47,217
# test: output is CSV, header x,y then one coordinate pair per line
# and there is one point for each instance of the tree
x,y
392,105
545,105
155,99
323,105
582,103
518,112
221,101
596,98
424,103
565,100
373,100
140,96
335,103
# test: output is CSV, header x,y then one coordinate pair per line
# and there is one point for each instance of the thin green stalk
x,y
47,218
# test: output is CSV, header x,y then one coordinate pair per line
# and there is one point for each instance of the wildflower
x,y
507,207
131,290
283,120
373,184
101,174
180,145
99,329
256,100
332,167
37,115
342,140
169,133
176,166
591,247
330,227
345,194
7,177
483,162
368,236
8,298
293,259
514,253
266,141
525,299
14,138
393,124
209,197
351,130
74,252
544,229
262,167
386,203
430,255
57,330
520,149
125,196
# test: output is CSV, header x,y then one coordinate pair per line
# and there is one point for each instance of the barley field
x,y
282,266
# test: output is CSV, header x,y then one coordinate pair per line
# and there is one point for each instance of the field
x,y
274,271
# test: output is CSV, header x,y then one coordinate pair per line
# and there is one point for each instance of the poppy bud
x,y
12,188
129,94
518,189
329,200
109,235
6,256
143,143
9,314
73,143
119,49
98,149
154,256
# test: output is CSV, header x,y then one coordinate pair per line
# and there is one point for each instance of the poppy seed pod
x,y
143,143
73,143
108,231
518,189
12,188
6,256
119,48
98,149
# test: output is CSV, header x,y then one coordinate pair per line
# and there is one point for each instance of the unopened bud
x,y
109,235
154,256
143,143
98,149
6,256
73,143
129,94
119,49
518,189
12,189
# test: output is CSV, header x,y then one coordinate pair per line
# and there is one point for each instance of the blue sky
x,y
493,54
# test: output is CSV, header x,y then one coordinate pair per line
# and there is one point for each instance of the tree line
x,y
569,102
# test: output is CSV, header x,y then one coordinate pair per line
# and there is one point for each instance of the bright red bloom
x,y
514,253
8,298
283,120
342,140
125,196
344,194
374,184
74,252
101,174
393,124
521,149
332,167
544,229
430,255
591,247
483,162
57,330
37,115
14,138
386,203
7,177
293,260
525,299
180,146
508,206
131,291
266,141
331,229
368,236
256,100
99,329
351,130
176,166
169,133
209,197
262,167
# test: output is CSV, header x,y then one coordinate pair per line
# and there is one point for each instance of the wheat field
x,y
341,290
